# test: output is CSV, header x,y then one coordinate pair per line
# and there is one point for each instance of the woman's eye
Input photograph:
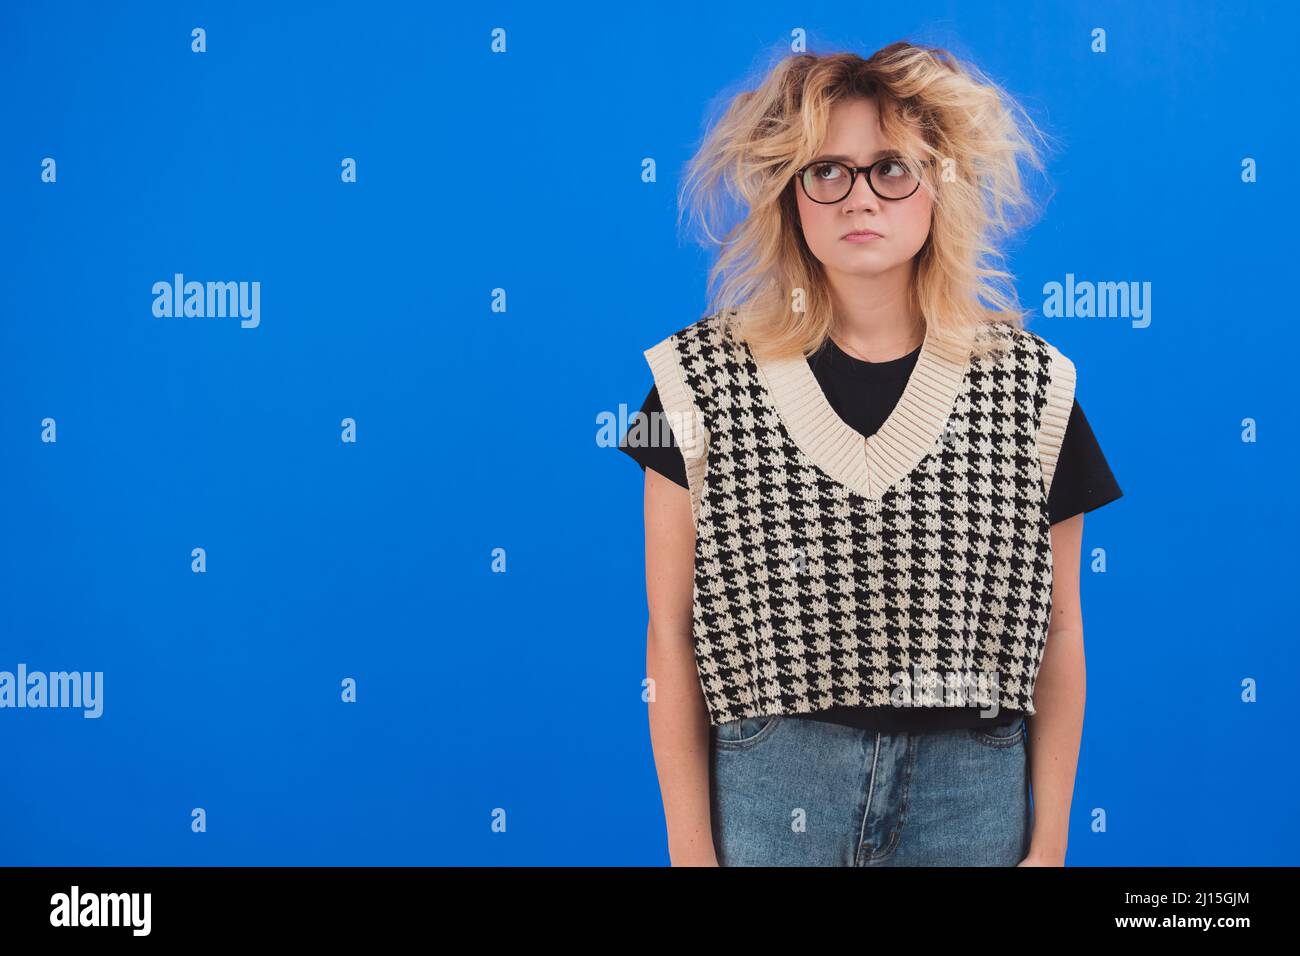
x,y
826,171
895,168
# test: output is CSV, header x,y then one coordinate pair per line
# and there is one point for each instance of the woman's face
x,y
854,137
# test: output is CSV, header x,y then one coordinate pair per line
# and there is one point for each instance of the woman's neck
x,y
878,335
875,317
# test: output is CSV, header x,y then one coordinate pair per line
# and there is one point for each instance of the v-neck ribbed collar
x,y
869,466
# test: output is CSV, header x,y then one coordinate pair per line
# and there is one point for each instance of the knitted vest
x,y
909,568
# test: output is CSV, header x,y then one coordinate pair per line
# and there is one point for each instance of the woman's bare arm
x,y
1057,725
679,723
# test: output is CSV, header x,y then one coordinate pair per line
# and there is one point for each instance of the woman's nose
x,y
861,196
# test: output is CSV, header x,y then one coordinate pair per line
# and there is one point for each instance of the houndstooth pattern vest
x,y
909,568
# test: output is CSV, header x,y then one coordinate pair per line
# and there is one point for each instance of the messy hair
x,y
969,137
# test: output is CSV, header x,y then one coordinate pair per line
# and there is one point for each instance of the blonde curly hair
x,y
932,107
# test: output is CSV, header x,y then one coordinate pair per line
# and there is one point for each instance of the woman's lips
x,y
862,237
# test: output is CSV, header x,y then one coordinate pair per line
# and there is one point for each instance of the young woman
x,y
863,518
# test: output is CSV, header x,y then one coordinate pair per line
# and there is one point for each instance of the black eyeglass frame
x,y
853,178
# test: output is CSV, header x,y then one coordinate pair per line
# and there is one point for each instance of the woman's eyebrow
x,y
849,159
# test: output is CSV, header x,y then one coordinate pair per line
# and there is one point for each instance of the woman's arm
x,y
1057,724
679,723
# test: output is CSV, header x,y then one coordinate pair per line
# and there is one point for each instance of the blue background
x,y
477,429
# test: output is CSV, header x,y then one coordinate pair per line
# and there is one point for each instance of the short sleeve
x,y
1083,478
1055,414
650,443
680,418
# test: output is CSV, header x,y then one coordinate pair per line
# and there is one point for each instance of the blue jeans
x,y
787,791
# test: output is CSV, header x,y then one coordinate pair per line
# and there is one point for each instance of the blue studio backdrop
x,y
364,583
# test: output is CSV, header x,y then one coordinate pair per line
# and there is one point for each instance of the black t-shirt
x,y
863,394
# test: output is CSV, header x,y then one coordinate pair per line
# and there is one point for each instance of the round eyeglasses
x,y
828,181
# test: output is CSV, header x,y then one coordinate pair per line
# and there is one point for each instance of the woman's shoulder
x,y
1027,343
1041,345
706,327
696,338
